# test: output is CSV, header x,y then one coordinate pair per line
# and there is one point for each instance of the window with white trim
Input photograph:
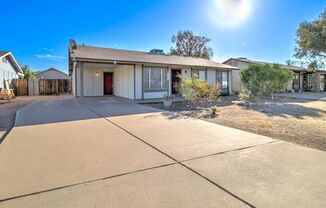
x,y
155,78
4,60
201,74
296,79
222,78
309,79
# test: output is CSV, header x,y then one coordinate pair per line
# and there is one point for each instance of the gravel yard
x,y
294,120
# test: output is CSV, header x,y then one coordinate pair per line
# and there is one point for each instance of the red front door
x,y
108,83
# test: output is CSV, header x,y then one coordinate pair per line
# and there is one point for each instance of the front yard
x,y
298,121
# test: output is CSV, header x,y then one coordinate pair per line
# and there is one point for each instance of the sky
x,y
37,32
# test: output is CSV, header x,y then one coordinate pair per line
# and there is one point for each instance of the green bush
x,y
264,80
198,91
247,96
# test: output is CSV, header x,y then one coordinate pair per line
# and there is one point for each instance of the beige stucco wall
x,y
236,83
318,82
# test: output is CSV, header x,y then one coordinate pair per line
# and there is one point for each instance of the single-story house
x,y
9,68
52,73
137,75
303,79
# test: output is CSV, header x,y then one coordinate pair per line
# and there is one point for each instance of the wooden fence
x,y
42,87
54,86
20,87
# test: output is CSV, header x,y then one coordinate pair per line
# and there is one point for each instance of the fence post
x,y
36,85
30,87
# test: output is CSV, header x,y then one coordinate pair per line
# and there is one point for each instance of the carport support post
x,y
230,81
169,81
81,79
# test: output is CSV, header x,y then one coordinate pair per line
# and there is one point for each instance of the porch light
x,y
97,74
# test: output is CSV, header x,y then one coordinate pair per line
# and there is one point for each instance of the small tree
x,y
28,74
263,80
190,45
198,91
311,44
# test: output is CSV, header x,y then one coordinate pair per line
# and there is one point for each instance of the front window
x,y
222,78
201,74
4,60
296,79
309,79
155,78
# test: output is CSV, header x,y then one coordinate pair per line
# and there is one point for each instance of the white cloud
x,y
50,57
45,49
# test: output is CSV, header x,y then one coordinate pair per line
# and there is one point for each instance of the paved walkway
x,y
304,95
110,152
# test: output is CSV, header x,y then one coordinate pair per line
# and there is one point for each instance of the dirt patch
x,y
298,121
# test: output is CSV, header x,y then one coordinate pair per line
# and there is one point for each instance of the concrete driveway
x,y
110,152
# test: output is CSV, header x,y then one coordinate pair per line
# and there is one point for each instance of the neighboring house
x,y
303,79
9,68
136,75
52,73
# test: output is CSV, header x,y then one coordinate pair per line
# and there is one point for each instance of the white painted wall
x,y
78,88
123,79
7,72
186,72
211,76
73,80
154,95
93,79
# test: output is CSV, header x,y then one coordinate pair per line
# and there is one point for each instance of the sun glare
x,y
230,12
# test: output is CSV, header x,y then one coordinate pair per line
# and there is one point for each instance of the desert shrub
x,y
198,91
246,96
264,80
214,111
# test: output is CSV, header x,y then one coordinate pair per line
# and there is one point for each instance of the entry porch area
x,y
97,79
139,81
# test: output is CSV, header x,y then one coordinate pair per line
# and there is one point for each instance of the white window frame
x,y
149,79
4,60
199,70
309,77
227,79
